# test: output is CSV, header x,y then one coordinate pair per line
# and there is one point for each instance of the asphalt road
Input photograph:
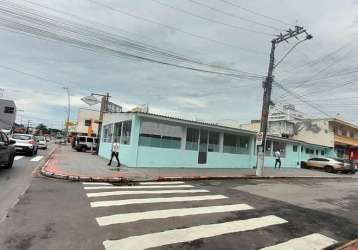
x,y
54,214
15,181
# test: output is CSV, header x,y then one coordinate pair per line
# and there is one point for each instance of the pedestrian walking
x,y
115,152
278,158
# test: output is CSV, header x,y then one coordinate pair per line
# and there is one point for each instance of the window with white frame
x,y
236,144
280,146
107,133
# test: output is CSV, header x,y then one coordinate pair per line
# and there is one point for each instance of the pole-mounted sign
x,y
90,100
259,138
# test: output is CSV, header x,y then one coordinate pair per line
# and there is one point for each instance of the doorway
x,y
203,147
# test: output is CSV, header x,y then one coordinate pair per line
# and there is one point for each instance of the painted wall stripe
x,y
145,241
138,187
312,241
97,183
161,183
167,213
178,191
18,157
37,158
155,200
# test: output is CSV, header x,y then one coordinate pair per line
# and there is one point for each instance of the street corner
x,y
71,168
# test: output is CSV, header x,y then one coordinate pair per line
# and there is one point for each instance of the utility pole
x,y
103,109
68,112
21,111
29,122
267,86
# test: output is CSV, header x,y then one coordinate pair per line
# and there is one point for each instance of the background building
x,y
7,114
86,121
150,140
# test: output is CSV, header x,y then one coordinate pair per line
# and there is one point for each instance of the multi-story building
x,y
345,137
287,112
7,114
281,120
340,135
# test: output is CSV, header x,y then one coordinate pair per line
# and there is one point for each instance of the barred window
x,y
192,138
126,132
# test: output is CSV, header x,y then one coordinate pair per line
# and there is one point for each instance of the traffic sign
x,y
259,138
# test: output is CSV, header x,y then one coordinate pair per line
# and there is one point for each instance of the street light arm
x,y
308,37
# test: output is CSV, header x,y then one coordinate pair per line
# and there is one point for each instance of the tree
x,y
42,129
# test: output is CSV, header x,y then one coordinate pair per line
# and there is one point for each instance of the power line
x,y
206,18
48,26
172,27
102,24
256,13
236,16
297,96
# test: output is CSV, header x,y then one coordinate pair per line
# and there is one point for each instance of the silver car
x,y
25,144
41,141
330,165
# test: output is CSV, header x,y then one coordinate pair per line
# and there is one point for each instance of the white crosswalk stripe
x,y
161,183
97,183
189,234
155,200
138,187
167,213
37,158
18,157
177,194
179,191
312,241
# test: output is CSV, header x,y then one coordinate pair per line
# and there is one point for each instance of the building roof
x,y
214,126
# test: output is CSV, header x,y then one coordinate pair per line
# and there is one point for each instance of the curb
x,y
40,166
349,244
76,178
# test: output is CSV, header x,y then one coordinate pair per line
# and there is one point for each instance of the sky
x,y
34,70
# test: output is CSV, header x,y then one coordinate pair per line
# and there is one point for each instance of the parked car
x,y
7,151
330,165
41,142
25,144
84,143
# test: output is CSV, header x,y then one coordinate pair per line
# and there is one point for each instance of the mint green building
x,y
151,140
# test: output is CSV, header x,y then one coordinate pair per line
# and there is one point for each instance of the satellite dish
x,y
90,100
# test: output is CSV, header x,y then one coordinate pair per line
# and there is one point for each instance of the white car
x,y
25,144
41,142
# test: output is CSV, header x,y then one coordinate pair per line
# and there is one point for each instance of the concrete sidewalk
x,y
65,163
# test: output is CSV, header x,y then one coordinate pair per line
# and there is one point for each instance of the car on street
x,y
85,143
330,164
60,140
41,142
25,143
7,151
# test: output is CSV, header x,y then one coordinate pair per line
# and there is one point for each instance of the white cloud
x,y
174,91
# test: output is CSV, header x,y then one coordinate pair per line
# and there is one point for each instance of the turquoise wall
x,y
143,156
125,153
166,157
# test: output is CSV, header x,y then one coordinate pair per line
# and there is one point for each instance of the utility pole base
x,y
260,163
